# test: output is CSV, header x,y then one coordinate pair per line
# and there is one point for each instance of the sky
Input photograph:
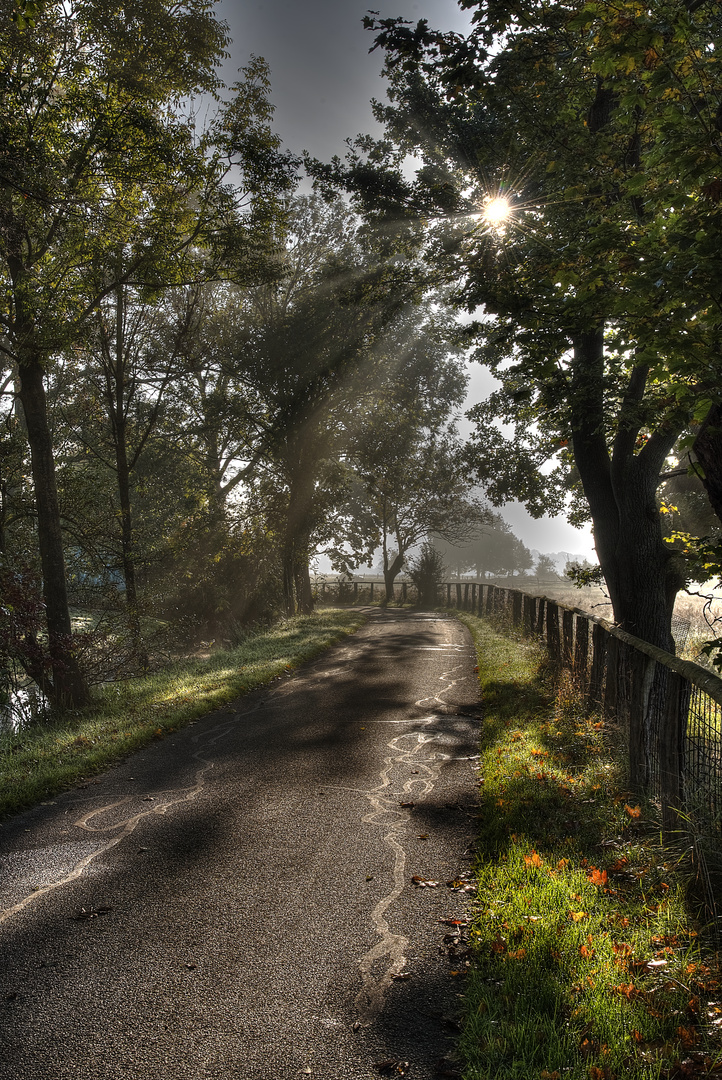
x,y
323,78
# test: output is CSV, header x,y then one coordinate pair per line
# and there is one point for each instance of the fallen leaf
x,y
409,805
533,860
498,945
392,1067
633,811
577,916
91,913
597,877
402,976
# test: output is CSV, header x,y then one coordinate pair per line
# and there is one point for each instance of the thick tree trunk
x,y
304,592
638,567
708,450
68,686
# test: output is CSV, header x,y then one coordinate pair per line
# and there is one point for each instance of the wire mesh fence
x,y
669,709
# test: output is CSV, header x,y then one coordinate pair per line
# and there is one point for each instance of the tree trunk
x,y
640,571
304,592
296,577
68,686
289,582
390,573
126,515
708,449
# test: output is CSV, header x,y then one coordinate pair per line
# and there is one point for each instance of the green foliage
x,y
490,548
427,572
585,959
598,124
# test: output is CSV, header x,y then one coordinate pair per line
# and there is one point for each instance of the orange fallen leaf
x,y
577,916
498,945
533,860
586,951
633,811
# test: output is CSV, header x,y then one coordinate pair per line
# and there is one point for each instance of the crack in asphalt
x,y
370,999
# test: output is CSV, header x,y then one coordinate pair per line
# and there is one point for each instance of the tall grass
x,y
44,758
586,960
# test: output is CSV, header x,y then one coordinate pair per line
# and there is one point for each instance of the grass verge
x,y
43,759
586,962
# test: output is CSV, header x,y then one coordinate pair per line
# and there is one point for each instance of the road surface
x,y
236,901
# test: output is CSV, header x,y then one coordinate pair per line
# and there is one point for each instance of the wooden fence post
x,y
552,635
568,638
529,615
600,640
581,650
671,735
404,592
642,672
371,594
458,595
516,600
466,596
355,591
473,597
612,681
490,599
448,594
540,615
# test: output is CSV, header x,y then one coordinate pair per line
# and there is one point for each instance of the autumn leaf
x,y
597,877
586,951
577,916
633,811
533,860
498,945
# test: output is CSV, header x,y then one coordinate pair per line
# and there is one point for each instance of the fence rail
x,y
670,709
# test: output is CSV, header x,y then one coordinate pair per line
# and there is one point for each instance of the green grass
x,y
585,960
43,759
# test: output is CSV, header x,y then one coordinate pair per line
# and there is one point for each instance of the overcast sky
x,y
323,79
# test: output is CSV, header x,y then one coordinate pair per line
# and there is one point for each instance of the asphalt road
x,y
236,901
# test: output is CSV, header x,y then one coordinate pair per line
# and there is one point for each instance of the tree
x,y
546,567
491,548
105,185
308,358
83,117
415,486
553,140
427,573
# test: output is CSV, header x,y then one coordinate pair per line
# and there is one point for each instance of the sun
x,y
496,211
